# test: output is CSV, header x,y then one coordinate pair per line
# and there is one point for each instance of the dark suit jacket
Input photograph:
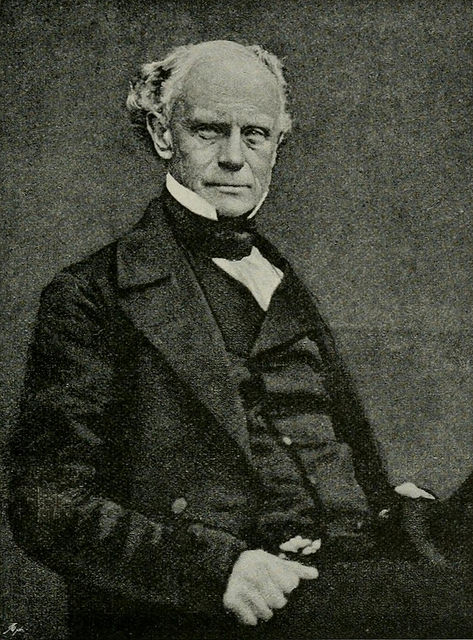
x,y
133,473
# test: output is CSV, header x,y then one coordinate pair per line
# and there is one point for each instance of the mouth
x,y
228,187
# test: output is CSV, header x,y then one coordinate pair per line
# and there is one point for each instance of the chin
x,y
232,208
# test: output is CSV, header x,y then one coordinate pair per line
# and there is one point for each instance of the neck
x,y
230,238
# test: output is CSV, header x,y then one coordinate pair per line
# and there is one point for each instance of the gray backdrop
x,y
372,199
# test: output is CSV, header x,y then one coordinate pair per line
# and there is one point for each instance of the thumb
x,y
303,571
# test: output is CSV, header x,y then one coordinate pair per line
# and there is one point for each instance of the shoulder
x,y
97,267
94,274
97,272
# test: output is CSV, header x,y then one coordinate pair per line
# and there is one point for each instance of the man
x,y
191,452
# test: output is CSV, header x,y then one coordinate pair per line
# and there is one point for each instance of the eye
x,y
255,135
207,131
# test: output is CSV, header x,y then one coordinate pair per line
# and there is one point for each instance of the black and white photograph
x,y
236,284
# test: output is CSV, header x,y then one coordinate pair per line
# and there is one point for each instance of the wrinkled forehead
x,y
226,78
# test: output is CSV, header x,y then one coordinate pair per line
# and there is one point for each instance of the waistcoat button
x,y
178,506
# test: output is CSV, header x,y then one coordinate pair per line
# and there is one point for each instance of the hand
x,y
305,546
410,490
259,582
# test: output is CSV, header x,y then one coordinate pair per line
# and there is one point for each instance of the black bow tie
x,y
230,238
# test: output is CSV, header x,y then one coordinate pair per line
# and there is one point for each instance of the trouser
x,y
368,599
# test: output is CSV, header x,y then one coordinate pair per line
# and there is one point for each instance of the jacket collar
x,y
147,252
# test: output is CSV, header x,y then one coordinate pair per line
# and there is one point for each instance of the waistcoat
x,y
308,485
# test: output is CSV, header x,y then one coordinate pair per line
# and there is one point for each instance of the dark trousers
x,y
366,599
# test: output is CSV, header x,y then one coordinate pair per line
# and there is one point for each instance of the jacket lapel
x,y
161,295
289,317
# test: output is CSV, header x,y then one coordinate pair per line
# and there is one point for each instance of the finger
x,y
272,591
285,578
289,545
301,570
258,605
289,582
282,582
312,548
308,551
244,614
278,601
294,544
304,542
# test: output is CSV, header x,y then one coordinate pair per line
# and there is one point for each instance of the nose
x,y
231,151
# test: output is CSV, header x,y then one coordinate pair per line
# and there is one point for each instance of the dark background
x,y
373,197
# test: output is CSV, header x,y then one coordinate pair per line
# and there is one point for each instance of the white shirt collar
x,y
195,203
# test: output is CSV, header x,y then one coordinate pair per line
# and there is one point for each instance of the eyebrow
x,y
209,117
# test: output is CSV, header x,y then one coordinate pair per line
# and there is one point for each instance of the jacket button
x,y
178,506
287,440
384,514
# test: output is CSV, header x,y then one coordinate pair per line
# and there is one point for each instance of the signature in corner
x,y
13,629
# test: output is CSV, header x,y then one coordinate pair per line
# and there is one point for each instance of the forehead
x,y
231,86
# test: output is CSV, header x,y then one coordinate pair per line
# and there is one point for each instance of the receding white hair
x,y
159,84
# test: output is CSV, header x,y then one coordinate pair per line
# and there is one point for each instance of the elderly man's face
x,y
225,131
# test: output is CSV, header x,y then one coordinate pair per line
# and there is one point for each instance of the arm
x,y
401,512
351,424
62,511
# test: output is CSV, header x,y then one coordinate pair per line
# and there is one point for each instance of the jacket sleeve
x,y
61,510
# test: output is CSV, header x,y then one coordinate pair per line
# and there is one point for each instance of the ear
x,y
160,135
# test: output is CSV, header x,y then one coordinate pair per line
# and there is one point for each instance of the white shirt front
x,y
255,272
